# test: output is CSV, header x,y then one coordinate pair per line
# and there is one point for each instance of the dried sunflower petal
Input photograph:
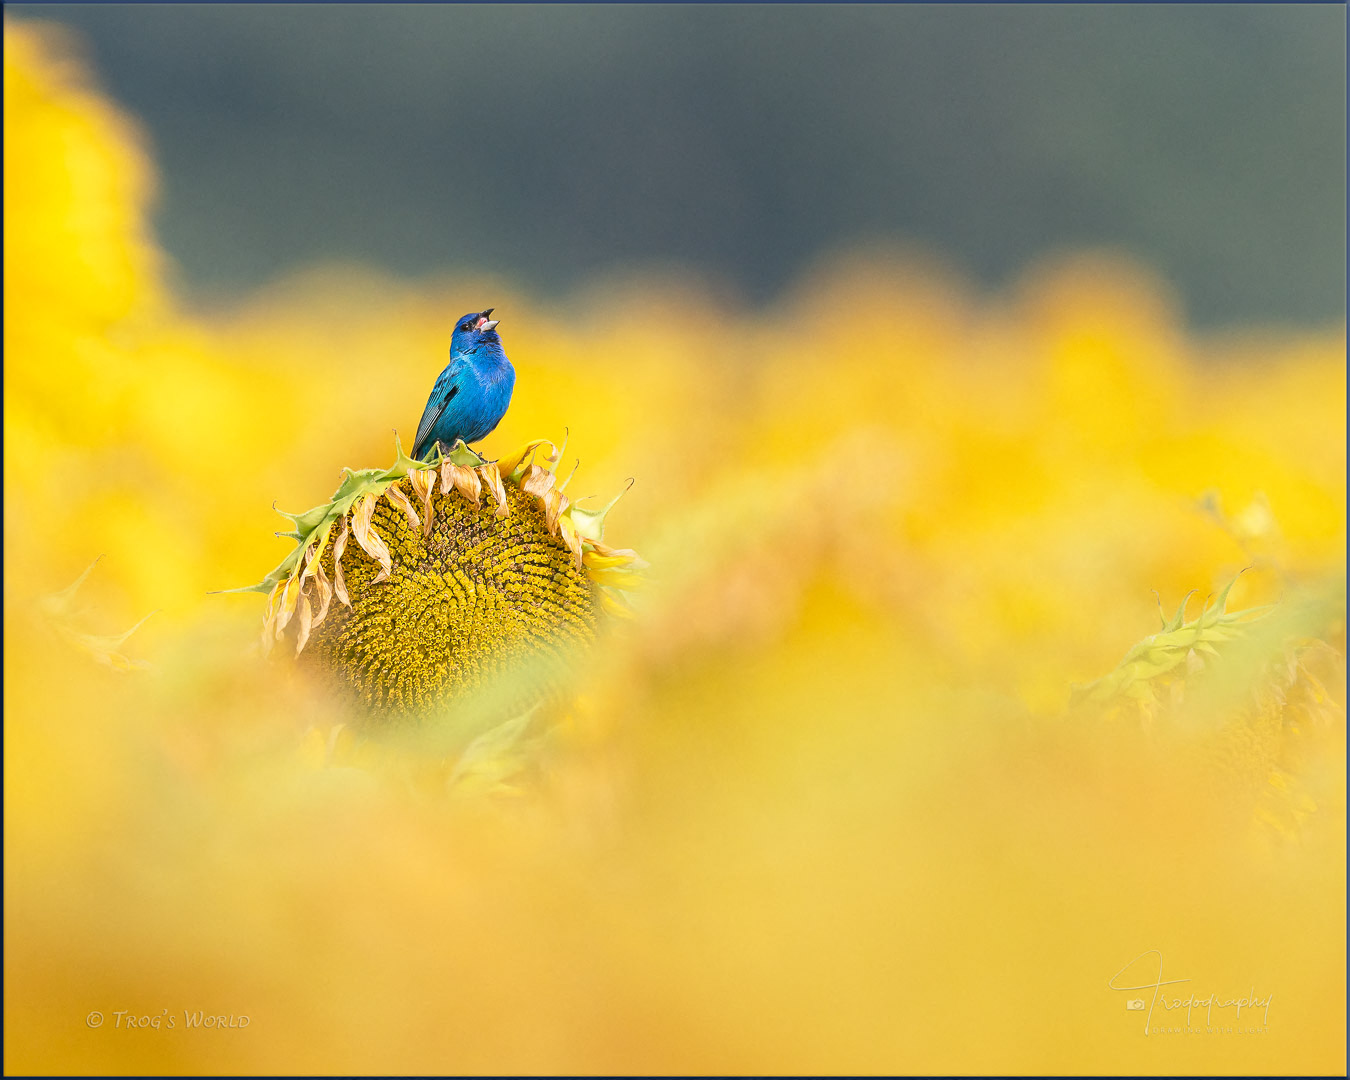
x,y
366,536
400,500
424,484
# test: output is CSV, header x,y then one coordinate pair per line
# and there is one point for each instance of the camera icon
x,y
1135,1004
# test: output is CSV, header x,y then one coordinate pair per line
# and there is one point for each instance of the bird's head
x,y
473,330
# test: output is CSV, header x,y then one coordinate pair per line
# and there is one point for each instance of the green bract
x,y
1177,643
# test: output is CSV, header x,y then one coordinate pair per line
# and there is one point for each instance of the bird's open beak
x,y
485,324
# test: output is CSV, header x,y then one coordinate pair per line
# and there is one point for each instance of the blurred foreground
x,y
825,804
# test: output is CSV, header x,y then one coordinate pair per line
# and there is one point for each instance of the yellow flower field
x,y
843,795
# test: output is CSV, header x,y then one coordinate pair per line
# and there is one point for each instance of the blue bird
x,y
472,393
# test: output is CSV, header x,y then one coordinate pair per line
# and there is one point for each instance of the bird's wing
x,y
435,406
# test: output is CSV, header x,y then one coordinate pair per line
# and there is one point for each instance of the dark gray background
x,y
547,143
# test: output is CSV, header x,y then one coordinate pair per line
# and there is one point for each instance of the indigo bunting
x,y
470,396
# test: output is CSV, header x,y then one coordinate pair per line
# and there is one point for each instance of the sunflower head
x,y
421,587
